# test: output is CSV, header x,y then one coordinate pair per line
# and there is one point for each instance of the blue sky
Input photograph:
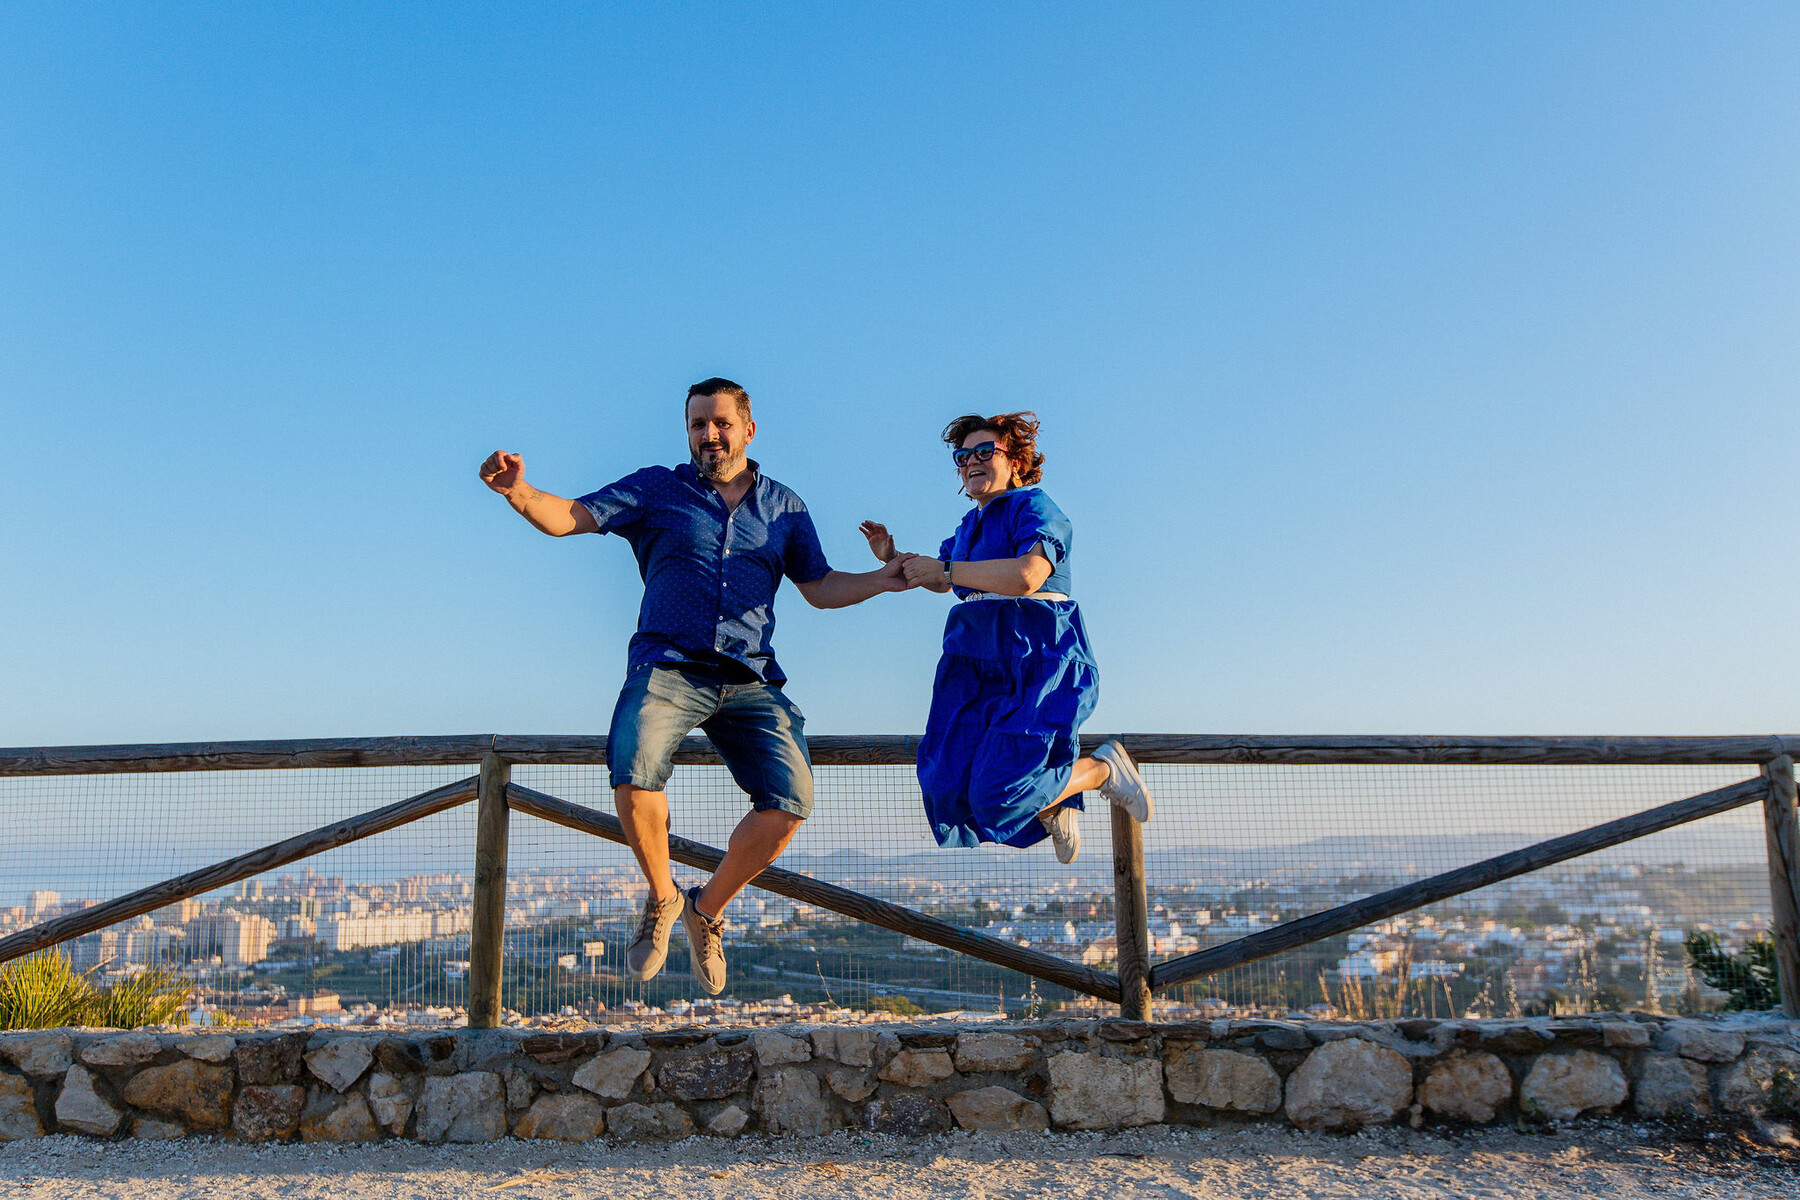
x,y
1404,368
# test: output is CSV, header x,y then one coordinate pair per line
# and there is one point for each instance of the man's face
x,y
718,436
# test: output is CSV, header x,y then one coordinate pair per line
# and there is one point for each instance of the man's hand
x,y
554,515
881,542
503,472
893,574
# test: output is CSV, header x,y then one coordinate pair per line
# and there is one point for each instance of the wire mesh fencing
x,y
379,930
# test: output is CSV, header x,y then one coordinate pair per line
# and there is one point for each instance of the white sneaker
x,y
1124,786
1065,831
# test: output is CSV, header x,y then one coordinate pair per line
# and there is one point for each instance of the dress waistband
x,y
998,596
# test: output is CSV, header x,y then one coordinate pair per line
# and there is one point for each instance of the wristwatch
x,y
946,563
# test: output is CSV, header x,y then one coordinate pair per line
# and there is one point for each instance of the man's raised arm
x,y
554,515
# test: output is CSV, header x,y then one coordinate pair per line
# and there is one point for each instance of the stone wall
x,y
460,1086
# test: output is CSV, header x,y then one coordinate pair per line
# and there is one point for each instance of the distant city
x,y
306,947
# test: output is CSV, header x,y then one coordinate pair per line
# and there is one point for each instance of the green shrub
x,y
903,1006
1749,978
42,991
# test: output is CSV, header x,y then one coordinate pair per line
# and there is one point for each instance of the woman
x,y
1000,761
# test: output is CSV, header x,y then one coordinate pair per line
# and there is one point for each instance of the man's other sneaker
x,y
650,944
706,944
1124,786
1065,831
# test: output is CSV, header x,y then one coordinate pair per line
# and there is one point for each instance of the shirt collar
x,y
689,473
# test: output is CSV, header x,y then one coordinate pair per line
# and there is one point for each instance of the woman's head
x,y
1015,461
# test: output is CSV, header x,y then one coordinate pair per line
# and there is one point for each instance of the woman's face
x,y
985,480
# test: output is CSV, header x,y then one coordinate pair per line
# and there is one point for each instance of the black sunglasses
x,y
980,452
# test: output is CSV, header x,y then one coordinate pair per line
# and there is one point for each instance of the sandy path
x,y
1609,1162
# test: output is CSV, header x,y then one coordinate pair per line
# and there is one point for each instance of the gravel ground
x,y
1615,1161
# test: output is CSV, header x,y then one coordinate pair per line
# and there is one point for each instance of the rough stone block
x,y
1765,1081
997,1110
1560,1087
729,1122
1624,1035
648,1122
45,1052
906,1116
126,1050
773,1048
151,1129
850,1083
713,1075
470,1107
1346,1085
340,1062
561,1047
82,1108
852,1047
1092,1091
1467,1086
977,1053
569,1117
267,1112
330,1117
1221,1079
212,1048
520,1087
614,1073
196,1092
399,1057
791,1101
268,1060
918,1068
1669,1085
18,1110
1703,1041
391,1100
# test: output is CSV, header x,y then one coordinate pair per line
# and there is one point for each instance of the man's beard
x,y
724,466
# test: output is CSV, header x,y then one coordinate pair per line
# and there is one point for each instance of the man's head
x,y
719,428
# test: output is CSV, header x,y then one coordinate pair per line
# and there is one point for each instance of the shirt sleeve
x,y
803,558
619,505
1038,522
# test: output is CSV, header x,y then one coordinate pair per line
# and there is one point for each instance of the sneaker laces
x,y
653,911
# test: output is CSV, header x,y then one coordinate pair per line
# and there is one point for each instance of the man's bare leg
x,y
645,816
1089,773
757,841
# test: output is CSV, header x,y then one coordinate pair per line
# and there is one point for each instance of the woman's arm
x,y
1003,576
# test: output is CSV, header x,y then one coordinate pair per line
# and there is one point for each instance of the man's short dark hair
x,y
717,386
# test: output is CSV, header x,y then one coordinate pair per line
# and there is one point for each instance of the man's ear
x,y
749,433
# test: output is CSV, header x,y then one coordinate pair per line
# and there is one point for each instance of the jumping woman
x,y
1000,760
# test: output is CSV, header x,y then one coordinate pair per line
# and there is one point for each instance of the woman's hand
x,y
881,542
926,573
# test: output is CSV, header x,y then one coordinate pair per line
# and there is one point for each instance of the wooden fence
x,y
497,796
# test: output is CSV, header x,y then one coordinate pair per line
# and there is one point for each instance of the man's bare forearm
x,y
555,515
841,589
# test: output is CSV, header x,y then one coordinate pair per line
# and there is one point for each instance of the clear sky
x,y
1403,367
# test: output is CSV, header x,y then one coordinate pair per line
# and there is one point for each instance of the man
x,y
713,538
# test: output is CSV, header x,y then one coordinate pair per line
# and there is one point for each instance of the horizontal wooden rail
x,y
900,750
206,879
1383,905
833,898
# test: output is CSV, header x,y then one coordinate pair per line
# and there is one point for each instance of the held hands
x,y
503,472
894,573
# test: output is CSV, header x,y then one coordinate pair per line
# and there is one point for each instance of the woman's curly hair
x,y
1018,438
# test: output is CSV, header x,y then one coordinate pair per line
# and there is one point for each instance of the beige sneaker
x,y
706,944
1064,825
650,944
1124,786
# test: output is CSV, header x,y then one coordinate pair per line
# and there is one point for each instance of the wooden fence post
x,y
1781,826
1131,915
487,930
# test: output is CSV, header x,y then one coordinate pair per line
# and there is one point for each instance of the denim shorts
x,y
756,729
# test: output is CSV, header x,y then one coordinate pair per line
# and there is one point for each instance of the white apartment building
x,y
342,931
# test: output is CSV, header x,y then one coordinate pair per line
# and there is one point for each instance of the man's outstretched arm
x,y
554,515
841,589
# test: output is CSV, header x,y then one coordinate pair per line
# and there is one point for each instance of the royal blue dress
x,y
1015,683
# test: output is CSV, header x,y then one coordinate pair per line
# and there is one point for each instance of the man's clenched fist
x,y
502,471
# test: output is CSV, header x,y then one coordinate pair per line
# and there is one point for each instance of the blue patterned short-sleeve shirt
x,y
710,573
